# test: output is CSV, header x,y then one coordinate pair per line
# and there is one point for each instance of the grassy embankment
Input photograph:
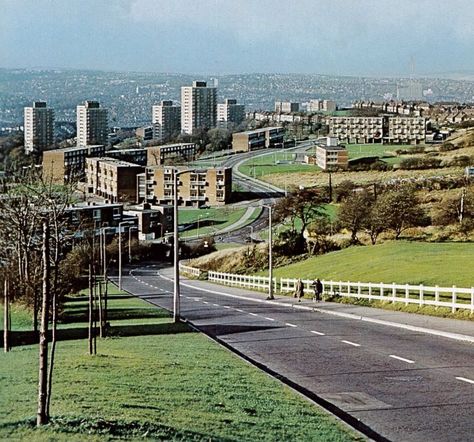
x,y
430,264
151,380
212,220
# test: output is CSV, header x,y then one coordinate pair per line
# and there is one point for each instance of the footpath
x,y
449,328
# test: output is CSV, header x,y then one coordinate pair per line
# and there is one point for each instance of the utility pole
x,y
461,208
176,294
270,257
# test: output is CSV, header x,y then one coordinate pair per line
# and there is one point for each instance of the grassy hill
x,y
445,264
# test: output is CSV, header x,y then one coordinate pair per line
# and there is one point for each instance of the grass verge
x,y
157,381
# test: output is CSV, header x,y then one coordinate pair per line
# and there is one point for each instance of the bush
x,y
447,147
420,163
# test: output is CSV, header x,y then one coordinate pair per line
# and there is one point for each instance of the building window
x,y
96,214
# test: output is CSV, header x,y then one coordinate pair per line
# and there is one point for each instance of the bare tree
x,y
42,414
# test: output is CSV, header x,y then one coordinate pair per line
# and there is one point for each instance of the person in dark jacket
x,y
318,290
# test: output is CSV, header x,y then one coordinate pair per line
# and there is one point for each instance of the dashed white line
x,y
317,333
215,305
205,302
269,319
226,306
409,361
253,314
290,325
238,310
355,344
469,381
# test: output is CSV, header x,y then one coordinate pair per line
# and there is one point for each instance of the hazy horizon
x,y
368,38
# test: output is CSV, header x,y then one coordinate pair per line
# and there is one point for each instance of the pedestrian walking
x,y
318,289
299,292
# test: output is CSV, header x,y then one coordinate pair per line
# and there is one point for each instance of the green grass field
x,y
443,264
212,220
152,380
274,163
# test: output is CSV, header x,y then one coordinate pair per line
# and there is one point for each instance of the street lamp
x,y
270,257
123,223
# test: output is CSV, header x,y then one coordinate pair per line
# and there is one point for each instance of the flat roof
x,y
115,161
255,131
73,148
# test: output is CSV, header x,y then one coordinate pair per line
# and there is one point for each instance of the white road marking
x,y
351,343
238,310
469,381
290,325
269,319
226,306
205,302
402,359
317,333
215,305
253,314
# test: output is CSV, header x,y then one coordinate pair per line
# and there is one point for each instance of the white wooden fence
x,y
451,297
190,270
251,282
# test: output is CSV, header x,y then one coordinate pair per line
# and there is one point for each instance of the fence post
x,y
472,300
370,290
436,296
340,288
454,299
394,292
381,290
421,295
358,289
407,293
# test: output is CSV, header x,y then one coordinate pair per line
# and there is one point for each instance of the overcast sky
x,y
345,37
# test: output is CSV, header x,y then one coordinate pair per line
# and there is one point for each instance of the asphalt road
x,y
404,385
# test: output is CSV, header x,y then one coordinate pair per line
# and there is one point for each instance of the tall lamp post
x,y
123,223
270,257
176,291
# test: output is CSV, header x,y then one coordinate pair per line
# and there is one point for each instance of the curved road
x,y
404,385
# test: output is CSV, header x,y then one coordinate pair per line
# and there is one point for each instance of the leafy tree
x,y
454,209
219,139
303,205
354,213
344,190
400,209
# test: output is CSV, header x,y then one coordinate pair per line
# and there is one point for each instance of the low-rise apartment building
x,y
64,165
157,155
112,179
196,188
331,155
383,129
263,138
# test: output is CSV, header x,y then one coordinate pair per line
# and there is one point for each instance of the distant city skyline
x,y
366,38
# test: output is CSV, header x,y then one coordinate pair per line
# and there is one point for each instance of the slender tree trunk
x,y
6,318
35,311
94,310
53,350
90,311
101,318
42,415
106,292
54,313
